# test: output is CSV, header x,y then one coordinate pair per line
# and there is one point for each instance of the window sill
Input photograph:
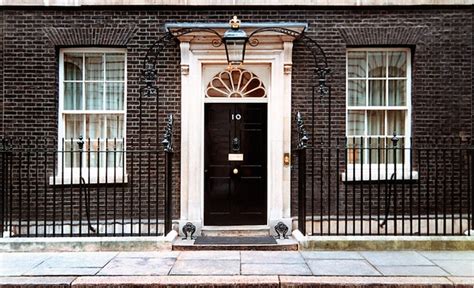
x,y
68,177
368,174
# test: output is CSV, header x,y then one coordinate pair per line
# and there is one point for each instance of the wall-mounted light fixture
x,y
235,40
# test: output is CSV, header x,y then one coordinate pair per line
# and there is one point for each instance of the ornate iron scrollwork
x,y
322,73
281,230
190,229
168,136
150,73
302,134
281,30
150,77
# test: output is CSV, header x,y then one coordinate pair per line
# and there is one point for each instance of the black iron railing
x,y
386,186
86,188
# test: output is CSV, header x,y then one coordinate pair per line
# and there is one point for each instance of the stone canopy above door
x,y
262,36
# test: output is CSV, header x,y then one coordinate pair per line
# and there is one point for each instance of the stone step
x,y
281,245
218,232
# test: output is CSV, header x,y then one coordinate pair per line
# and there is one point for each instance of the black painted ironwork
x,y
188,230
167,137
41,196
422,189
82,188
302,134
281,230
235,144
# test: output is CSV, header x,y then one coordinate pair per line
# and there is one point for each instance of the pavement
x,y
239,268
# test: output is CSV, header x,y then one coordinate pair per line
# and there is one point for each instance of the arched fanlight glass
x,y
236,83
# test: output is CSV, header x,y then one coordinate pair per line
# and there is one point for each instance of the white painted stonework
x,y
271,62
77,3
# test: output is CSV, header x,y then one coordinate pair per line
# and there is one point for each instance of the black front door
x,y
235,164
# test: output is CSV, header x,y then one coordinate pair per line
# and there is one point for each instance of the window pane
x,y
376,123
115,126
94,126
377,151
115,66
72,96
397,151
357,63
397,64
73,126
94,67
115,156
95,155
353,150
357,92
70,155
377,65
72,66
376,92
396,122
356,123
397,92
94,96
114,96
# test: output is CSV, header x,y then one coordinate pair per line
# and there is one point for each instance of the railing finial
x,y
395,139
80,143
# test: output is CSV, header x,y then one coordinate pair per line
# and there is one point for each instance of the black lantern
x,y
235,41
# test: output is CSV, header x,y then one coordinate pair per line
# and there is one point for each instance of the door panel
x,y
240,197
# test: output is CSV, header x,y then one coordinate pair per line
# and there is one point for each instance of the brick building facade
x,y
438,38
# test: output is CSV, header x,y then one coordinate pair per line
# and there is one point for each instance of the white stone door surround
x,y
276,53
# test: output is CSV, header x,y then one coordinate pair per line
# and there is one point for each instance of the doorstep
x,y
289,244
236,281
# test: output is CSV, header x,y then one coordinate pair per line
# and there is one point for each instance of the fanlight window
x,y
236,83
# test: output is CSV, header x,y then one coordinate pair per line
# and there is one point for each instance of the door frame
x,y
193,58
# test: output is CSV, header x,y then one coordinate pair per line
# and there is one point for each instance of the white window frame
x,y
97,174
370,172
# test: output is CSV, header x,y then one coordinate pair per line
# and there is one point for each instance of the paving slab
x,y
342,267
206,267
448,255
270,257
15,264
37,281
79,259
275,269
412,271
395,258
457,267
24,256
61,271
215,255
149,254
324,281
175,281
138,266
331,255
17,268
